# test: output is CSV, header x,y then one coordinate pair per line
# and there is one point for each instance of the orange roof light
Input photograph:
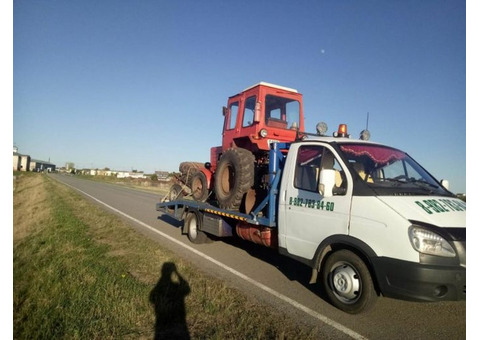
x,y
342,130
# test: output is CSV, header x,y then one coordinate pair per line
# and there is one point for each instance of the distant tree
x,y
154,177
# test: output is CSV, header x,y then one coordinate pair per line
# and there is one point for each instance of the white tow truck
x,y
366,218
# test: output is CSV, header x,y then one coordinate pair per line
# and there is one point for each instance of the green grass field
x,y
82,273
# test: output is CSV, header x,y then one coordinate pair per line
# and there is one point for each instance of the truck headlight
x,y
427,242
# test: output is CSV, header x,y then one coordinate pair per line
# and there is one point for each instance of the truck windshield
x,y
281,112
390,171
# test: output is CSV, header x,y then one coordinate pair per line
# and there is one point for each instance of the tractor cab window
x,y
249,111
281,112
231,118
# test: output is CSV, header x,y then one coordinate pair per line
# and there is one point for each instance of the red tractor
x,y
236,176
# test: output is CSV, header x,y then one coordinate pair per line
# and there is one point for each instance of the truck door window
x,y
249,111
310,160
281,112
231,119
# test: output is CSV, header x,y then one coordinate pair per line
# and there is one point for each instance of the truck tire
x,y
192,228
348,282
234,176
199,187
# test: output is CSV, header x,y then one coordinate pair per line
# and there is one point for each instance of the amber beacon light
x,y
342,131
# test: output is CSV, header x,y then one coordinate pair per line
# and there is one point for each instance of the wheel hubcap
x,y
192,228
346,283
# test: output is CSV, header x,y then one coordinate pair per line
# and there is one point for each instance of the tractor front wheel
x,y
199,187
176,192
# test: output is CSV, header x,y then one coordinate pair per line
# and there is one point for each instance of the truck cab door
x,y
306,215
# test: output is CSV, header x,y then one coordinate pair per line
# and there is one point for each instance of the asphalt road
x,y
277,280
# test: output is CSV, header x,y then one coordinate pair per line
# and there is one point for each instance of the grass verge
x,y
80,272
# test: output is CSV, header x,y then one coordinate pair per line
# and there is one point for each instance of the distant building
x,y
25,163
105,172
21,162
162,175
130,174
16,161
39,166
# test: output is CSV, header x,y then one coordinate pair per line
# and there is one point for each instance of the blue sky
x,y
141,84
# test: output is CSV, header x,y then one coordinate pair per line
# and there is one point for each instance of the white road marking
x,y
257,284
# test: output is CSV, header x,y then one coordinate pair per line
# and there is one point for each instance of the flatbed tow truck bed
x,y
176,209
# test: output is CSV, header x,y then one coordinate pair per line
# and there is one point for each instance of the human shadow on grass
x,y
168,300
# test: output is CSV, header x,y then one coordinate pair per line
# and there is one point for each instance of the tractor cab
x,y
237,172
262,114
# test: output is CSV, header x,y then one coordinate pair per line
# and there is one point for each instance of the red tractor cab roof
x,y
261,114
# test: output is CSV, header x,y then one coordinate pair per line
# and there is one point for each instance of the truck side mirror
x,y
445,183
327,182
224,111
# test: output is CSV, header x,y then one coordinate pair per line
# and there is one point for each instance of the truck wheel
x,y
192,226
234,177
199,187
348,283
176,192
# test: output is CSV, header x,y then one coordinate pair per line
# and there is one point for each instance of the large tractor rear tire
x,y
234,177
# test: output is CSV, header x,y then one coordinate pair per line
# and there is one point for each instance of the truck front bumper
x,y
419,282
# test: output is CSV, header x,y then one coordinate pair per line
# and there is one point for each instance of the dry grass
x,y
80,272
29,209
